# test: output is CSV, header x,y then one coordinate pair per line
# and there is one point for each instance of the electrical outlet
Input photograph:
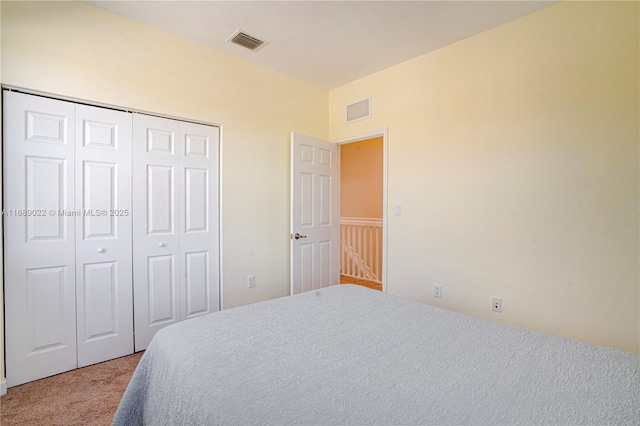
x,y
251,281
496,304
437,290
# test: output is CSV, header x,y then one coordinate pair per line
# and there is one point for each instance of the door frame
x,y
385,162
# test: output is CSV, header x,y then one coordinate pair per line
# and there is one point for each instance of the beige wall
x,y
361,179
515,156
76,50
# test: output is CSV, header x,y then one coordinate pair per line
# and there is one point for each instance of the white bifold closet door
x,y
175,227
103,234
67,251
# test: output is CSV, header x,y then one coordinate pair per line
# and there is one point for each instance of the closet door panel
x,y
160,270
156,182
39,250
103,234
199,234
197,284
160,188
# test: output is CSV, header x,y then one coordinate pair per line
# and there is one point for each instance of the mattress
x,y
350,355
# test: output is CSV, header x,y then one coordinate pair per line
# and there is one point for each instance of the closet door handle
x,y
161,244
298,236
101,250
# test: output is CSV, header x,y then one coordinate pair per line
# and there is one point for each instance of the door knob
x,y
298,236
161,244
101,250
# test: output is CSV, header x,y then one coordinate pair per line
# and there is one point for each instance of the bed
x,y
350,355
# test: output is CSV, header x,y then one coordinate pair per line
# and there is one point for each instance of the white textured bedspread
x,y
350,355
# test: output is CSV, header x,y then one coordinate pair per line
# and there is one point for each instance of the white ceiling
x,y
325,43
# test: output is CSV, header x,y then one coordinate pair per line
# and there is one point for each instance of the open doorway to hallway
x,y
361,212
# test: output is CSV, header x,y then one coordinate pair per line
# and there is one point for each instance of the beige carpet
x,y
86,396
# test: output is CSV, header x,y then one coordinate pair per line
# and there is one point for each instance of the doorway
x,y
315,199
362,201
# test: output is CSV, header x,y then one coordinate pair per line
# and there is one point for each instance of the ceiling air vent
x,y
359,110
248,41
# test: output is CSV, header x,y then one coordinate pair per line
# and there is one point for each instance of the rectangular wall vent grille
x,y
248,41
359,110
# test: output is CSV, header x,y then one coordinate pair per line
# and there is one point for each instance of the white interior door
x,y
199,278
315,222
175,190
156,178
39,255
103,234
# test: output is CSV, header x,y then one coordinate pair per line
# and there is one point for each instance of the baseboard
x,y
3,386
